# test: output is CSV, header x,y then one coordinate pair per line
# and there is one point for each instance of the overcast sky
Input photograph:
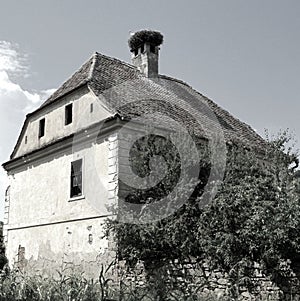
x,y
245,55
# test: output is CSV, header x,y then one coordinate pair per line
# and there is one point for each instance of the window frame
x,y
42,127
68,113
72,195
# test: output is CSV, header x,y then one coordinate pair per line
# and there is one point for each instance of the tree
x,y
254,218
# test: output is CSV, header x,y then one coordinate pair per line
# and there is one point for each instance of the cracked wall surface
x,y
56,231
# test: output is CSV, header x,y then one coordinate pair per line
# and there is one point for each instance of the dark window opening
x,y
136,52
91,108
152,48
68,114
142,48
76,178
90,238
25,139
42,128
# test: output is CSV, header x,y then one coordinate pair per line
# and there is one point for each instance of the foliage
x,y
164,239
3,259
254,218
64,286
145,36
75,287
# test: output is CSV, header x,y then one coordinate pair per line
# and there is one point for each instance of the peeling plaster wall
x,y
54,228
59,246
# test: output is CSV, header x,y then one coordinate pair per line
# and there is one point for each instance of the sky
x,y
244,55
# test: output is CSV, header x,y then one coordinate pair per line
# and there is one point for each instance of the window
x,y
25,139
42,128
76,178
68,114
91,108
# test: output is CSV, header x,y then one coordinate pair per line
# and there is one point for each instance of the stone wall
x,y
193,278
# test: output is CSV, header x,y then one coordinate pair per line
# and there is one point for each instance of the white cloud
x,y
12,60
15,102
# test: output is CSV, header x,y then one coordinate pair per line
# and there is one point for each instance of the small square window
x,y
68,114
76,178
42,128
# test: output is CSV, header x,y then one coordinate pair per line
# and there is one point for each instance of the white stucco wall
x,y
56,246
41,192
46,221
54,115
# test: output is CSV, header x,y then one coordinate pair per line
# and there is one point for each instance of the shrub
x,y
24,287
254,218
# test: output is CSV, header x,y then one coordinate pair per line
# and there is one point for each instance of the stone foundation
x,y
190,278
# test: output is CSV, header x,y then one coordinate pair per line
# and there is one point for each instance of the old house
x,y
66,167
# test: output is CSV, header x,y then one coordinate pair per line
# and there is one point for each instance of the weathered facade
x,y
42,219
64,171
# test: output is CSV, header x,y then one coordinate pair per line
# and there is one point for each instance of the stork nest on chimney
x,y
145,36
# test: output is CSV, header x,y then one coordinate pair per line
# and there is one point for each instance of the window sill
x,y
77,198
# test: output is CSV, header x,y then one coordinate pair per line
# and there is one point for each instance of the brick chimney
x,y
144,46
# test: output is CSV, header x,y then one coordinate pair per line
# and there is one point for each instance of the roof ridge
x,y
81,82
175,79
213,103
91,71
92,60
117,60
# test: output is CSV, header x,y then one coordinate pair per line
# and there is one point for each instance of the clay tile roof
x,y
100,71
78,79
127,92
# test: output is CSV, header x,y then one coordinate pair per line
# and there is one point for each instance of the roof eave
x,y
109,124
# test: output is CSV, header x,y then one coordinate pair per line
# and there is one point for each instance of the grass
x,y
17,285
